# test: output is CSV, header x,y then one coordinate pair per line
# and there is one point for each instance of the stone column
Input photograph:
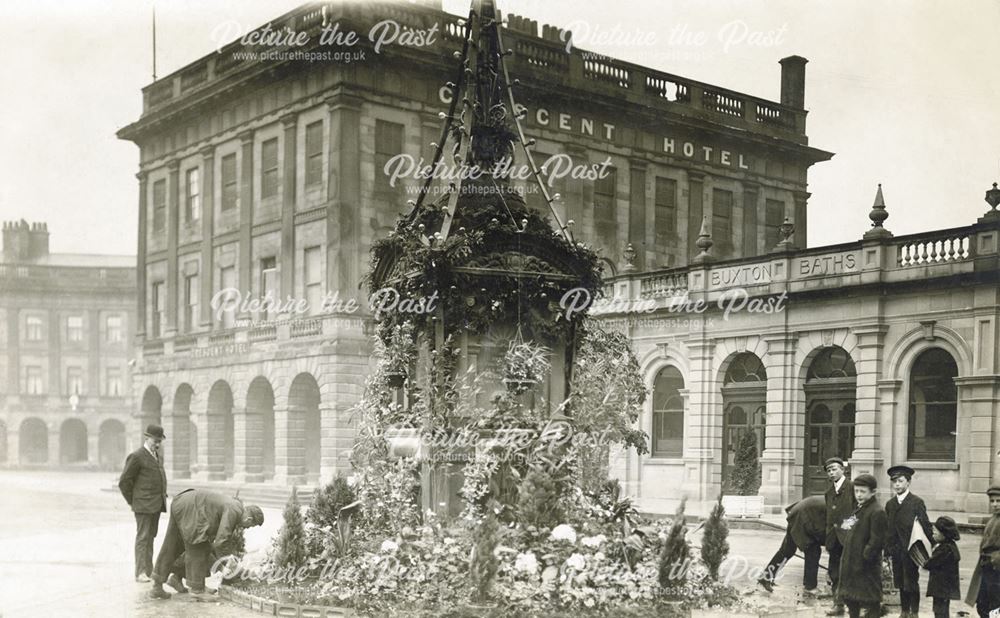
x,y
207,223
868,445
173,218
55,455
248,430
287,261
93,445
637,227
703,425
289,442
781,478
800,213
177,449
332,430
211,446
344,194
140,273
244,268
978,405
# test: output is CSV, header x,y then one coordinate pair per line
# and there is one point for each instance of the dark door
x,y
829,433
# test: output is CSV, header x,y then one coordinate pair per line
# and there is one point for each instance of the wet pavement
x,y
66,549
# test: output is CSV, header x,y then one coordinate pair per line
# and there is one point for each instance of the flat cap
x,y
834,460
866,480
897,471
994,490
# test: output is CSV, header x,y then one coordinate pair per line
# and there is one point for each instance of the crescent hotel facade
x,y
264,172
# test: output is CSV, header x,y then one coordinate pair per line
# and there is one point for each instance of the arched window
x,y
933,407
744,402
668,414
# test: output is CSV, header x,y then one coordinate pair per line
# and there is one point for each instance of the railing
x,y
267,332
152,348
194,76
668,89
183,344
604,71
305,328
944,246
222,338
722,103
542,57
664,285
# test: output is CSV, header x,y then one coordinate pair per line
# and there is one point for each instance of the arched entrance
x,y
303,410
220,431
260,428
73,442
744,407
152,403
111,444
830,389
33,442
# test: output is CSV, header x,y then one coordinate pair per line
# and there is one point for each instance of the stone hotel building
x,y
267,176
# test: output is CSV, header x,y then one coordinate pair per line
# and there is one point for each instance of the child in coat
x,y
943,566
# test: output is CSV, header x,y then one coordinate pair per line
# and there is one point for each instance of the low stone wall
x,y
269,607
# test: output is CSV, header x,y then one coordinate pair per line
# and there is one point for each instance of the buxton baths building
x,y
267,174
66,325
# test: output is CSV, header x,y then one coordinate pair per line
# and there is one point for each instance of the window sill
x,y
663,461
933,465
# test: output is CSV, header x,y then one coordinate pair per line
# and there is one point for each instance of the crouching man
x,y
201,523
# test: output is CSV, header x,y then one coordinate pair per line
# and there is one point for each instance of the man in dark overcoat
x,y
806,531
902,509
201,522
143,483
840,503
984,588
861,563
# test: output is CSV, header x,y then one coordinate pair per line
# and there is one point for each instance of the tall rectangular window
x,y
159,205
114,331
113,382
191,297
33,328
74,380
74,328
227,280
230,184
33,380
604,196
314,153
313,276
269,168
722,223
388,144
665,204
192,195
774,215
159,309
269,284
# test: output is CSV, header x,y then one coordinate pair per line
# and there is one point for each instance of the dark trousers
x,y
989,590
906,577
196,559
785,553
942,607
835,551
856,609
146,526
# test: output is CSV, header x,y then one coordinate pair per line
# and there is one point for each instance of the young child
x,y
861,565
943,566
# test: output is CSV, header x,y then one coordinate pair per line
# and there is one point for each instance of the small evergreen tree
x,y
290,545
538,500
327,502
483,564
745,480
675,558
714,546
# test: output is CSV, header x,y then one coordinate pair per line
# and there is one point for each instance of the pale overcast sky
x,y
904,92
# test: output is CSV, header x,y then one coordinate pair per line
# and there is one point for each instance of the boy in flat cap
x,y
902,510
861,563
840,503
984,589
942,584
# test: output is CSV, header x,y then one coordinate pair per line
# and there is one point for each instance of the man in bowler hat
x,y
984,588
902,509
143,483
840,503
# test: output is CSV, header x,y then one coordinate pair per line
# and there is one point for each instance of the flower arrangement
x,y
524,364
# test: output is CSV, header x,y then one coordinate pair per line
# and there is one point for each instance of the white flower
x,y
448,540
526,563
388,546
599,556
576,561
593,541
564,532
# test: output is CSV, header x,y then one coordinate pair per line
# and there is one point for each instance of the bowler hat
x,y
866,480
947,527
155,431
994,490
834,460
896,471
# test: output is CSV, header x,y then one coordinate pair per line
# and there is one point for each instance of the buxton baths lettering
x,y
828,265
606,131
750,274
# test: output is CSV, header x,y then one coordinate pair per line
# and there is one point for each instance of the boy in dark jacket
x,y
861,564
943,566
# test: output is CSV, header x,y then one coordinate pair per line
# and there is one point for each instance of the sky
x,y
905,92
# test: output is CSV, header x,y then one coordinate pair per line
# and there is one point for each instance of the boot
x,y
175,582
158,592
838,610
766,584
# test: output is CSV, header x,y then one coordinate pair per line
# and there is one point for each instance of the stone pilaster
x,y
871,399
703,425
173,218
287,260
207,223
781,476
140,274
177,448
344,194
248,430
245,267
978,410
289,442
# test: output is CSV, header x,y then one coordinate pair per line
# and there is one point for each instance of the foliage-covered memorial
x,y
481,481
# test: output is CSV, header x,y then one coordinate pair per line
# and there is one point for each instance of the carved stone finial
x,y
786,229
993,198
878,215
629,256
704,243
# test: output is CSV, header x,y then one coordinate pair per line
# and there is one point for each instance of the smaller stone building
x,y
66,326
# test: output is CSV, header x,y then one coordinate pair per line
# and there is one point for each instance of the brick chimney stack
x,y
793,81
23,242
